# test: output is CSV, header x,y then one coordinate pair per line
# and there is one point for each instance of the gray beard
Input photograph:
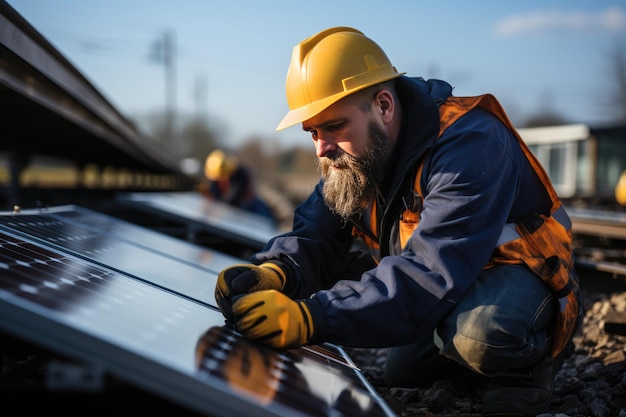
x,y
348,190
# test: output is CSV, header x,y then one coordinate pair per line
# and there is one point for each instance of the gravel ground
x,y
591,382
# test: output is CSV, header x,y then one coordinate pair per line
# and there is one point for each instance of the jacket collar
x,y
420,101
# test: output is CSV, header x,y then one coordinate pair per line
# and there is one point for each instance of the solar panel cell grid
x,y
173,274
100,300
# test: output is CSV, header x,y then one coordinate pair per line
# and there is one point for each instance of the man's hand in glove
x,y
244,278
272,318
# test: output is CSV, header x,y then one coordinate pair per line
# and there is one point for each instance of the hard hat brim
x,y
301,114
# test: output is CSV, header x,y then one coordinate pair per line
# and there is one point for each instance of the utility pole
x,y
200,95
163,52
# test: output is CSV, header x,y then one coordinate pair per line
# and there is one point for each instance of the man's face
x,y
350,180
352,149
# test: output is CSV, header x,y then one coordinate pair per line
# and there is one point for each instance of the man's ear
x,y
386,105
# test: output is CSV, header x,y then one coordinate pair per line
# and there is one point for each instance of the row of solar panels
x,y
139,305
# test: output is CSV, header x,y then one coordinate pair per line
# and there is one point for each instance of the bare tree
x,y
546,114
617,90
548,118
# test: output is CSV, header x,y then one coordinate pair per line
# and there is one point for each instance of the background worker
x,y
230,181
471,274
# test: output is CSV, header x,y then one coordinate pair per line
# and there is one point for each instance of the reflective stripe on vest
x,y
509,232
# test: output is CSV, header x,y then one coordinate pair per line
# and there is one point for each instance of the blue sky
x,y
533,54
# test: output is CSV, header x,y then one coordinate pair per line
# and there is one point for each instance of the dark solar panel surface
x,y
216,217
164,261
161,340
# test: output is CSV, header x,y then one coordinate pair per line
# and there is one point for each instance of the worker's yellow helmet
x,y
219,165
327,67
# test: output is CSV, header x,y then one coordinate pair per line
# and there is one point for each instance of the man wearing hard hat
x,y
472,275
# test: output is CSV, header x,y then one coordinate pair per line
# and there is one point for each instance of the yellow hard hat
x,y
327,67
219,165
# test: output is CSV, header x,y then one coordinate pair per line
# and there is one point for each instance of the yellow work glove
x,y
244,278
274,319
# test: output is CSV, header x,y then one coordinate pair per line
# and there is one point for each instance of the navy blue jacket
x,y
475,180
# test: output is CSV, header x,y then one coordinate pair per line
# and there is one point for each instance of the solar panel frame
x,y
35,305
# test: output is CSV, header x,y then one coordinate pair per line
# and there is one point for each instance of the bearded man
x,y
469,272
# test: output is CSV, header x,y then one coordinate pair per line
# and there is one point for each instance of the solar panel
x,y
65,285
203,214
170,263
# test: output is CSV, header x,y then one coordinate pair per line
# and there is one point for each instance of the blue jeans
x,y
503,324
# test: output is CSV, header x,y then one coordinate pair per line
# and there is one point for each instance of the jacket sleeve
x,y
473,181
316,248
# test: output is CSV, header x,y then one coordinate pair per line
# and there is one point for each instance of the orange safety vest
x,y
543,243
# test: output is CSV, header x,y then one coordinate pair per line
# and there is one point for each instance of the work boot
x,y
524,395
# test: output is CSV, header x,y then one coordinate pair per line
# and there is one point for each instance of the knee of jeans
x,y
492,349
488,346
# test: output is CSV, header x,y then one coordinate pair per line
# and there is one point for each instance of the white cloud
x,y
611,20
